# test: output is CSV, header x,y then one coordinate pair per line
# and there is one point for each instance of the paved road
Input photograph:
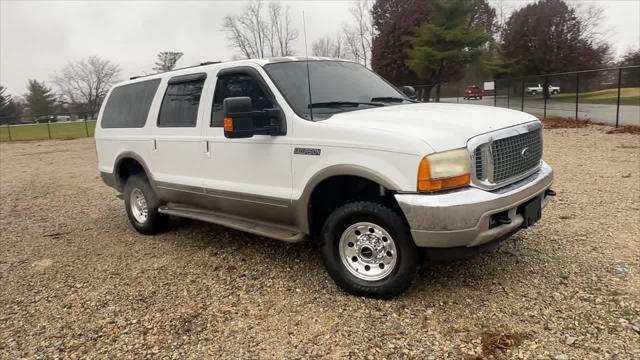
x,y
629,114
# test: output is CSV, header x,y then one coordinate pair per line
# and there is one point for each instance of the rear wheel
x,y
368,250
142,206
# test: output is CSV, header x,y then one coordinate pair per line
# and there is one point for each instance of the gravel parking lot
x,y
77,281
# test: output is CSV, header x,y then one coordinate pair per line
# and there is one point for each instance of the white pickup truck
x,y
534,90
325,150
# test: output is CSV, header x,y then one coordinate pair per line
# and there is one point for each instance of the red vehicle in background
x,y
473,91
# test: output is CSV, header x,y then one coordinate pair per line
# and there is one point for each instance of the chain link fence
x,y
610,96
48,126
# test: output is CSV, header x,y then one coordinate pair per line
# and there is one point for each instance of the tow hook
x,y
502,219
550,192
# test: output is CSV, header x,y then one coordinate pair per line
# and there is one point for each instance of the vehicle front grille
x,y
503,159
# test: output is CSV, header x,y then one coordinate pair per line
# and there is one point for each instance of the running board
x,y
234,222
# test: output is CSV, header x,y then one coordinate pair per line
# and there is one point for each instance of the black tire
x,y
155,222
409,256
533,93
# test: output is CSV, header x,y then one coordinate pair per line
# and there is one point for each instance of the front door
x,y
248,177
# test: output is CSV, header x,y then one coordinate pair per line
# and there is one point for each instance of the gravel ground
x,y
77,281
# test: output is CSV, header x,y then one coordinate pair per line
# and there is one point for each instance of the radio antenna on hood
x,y
306,54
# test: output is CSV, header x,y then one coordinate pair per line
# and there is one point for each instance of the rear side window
x,y
128,105
181,100
237,85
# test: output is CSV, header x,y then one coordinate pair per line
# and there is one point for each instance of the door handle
x,y
205,148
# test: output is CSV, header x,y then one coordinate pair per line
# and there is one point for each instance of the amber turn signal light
x,y
228,124
427,184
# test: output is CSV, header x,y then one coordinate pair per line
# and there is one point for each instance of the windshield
x,y
336,86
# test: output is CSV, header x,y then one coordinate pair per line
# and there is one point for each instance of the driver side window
x,y
234,85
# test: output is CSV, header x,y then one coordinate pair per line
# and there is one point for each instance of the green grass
x,y
65,130
628,96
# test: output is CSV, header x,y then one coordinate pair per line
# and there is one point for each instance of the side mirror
x,y
409,91
238,120
241,121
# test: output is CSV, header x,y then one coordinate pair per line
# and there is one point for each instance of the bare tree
x,y
257,36
85,83
281,31
592,18
167,60
359,37
329,47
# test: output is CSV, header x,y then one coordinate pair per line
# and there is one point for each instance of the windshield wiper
x,y
391,99
337,104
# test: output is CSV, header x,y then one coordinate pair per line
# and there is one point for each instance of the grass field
x,y
628,96
64,130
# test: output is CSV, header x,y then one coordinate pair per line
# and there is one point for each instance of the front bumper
x,y
463,217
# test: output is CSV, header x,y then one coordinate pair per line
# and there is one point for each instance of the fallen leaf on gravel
x,y
58,234
42,264
493,341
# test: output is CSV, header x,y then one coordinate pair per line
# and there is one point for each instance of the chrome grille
x,y
479,163
507,158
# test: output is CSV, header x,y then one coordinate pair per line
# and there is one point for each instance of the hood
x,y
442,126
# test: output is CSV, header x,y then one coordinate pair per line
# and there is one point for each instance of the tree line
x,y
435,41
80,88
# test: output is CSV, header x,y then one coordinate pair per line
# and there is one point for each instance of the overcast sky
x,y
39,37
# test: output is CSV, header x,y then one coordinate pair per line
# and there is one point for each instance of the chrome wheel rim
x,y
138,206
368,251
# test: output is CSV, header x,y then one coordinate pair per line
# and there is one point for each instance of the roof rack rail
x,y
182,68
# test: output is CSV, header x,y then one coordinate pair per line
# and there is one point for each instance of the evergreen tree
x,y
167,60
39,99
4,101
442,47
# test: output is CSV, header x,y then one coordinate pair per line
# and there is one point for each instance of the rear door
x,y
177,140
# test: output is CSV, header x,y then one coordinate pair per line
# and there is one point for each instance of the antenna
x,y
306,54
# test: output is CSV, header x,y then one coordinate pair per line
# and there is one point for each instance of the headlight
x,y
445,170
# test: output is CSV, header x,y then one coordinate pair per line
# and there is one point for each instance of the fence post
x,y
86,128
49,128
618,104
495,93
577,93
9,130
509,95
522,102
544,95
457,93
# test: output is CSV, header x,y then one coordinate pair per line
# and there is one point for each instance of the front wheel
x,y
368,250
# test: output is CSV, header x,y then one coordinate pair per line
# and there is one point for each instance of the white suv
x,y
344,159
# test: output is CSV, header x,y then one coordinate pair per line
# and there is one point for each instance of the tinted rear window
x,y
181,100
128,105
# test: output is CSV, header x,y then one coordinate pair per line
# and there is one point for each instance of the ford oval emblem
x,y
524,153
